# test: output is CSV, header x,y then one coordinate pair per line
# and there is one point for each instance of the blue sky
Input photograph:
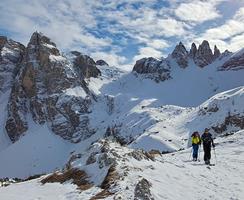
x,y
124,31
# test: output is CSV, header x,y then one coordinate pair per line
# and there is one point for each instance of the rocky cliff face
x,y
204,55
236,62
193,50
180,54
153,68
52,90
85,66
11,54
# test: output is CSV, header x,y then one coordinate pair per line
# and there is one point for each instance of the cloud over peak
x,y
122,31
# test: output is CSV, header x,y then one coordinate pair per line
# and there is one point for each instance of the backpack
x,y
196,138
207,139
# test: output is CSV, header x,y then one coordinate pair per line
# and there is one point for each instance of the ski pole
x,y
199,153
215,155
190,153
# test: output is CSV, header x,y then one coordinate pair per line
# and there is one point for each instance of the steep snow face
x,y
223,113
40,151
141,114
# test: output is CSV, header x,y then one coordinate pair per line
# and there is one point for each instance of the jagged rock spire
x,y
216,52
38,38
193,50
204,55
180,54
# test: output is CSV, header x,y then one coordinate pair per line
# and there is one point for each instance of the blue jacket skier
x,y
196,142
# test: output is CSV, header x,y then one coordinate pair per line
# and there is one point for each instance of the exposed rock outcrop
x,y
216,52
231,120
204,55
193,50
236,62
11,54
50,87
153,68
101,63
180,54
142,190
85,65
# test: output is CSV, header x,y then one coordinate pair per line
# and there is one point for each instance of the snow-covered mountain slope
x,y
145,125
136,175
89,120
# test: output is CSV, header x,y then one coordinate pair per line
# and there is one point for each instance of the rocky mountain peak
x,y
39,38
193,50
179,50
180,54
204,55
204,48
40,42
216,52
46,87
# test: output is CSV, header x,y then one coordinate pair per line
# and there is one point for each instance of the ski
x,y
210,165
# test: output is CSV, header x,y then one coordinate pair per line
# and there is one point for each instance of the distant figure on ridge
x,y
196,141
207,140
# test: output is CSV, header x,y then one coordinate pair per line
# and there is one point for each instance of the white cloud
x,y
232,27
147,52
111,58
92,26
227,36
236,43
198,11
